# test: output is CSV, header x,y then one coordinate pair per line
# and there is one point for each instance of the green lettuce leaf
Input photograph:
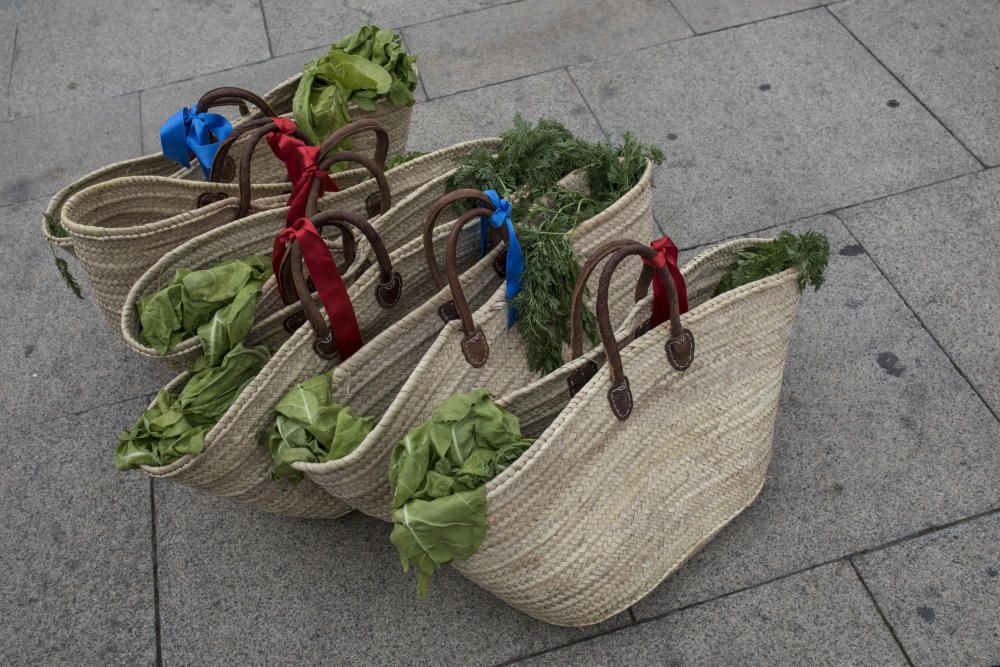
x,y
217,304
175,425
432,533
438,473
363,68
310,427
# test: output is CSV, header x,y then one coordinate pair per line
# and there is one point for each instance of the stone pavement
x,y
876,539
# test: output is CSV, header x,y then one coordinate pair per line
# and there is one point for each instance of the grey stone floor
x,y
876,539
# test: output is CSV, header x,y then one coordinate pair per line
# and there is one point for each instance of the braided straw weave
x,y
361,477
396,121
418,182
156,164
599,511
234,463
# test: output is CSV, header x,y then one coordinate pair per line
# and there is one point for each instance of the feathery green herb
x,y
809,253
526,169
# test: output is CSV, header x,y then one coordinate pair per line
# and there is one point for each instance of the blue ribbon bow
x,y
188,130
515,258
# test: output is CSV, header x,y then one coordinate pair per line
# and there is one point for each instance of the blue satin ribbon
x,y
188,130
515,258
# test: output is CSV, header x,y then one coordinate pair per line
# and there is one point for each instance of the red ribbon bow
x,y
326,277
301,161
666,256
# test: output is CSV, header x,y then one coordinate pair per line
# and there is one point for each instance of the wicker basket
x,y
601,509
279,102
414,186
234,463
360,478
121,228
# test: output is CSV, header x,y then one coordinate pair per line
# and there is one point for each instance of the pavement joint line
x,y
683,18
878,608
899,80
10,75
495,83
586,103
923,324
267,32
631,615
420,79
472,10
156,572
846,557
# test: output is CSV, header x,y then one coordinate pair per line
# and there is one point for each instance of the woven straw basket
x,y
278,101
361,477
414,186
600,510
120,228
234,463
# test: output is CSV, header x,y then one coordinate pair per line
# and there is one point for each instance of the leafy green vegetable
x,y
525,169
177,424
363,68
808,252
311,427
218,304
438,473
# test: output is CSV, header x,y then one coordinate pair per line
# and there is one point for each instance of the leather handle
x,y
432,216
679,346
229,96
387,292
384,192
260,128
475,347
351,129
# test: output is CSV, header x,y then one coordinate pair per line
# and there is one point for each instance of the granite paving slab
x,y
300,24
44,153
513,40
941,592
819,617
59,356
72,52
877,437
938,247
8,30
947,54
490,110
76,553
708,15
767,123
239,586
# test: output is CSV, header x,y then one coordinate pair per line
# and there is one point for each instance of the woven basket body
x,y
234,463
396,121
361,478
414,186
599,511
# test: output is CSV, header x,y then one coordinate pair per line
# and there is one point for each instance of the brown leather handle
x,y
432,216
679,346
229,96
475,347
351,129
387,292
580,290
260,128
384,192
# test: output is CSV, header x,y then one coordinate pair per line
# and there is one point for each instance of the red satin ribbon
x,y
666,256
326,277
301,161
